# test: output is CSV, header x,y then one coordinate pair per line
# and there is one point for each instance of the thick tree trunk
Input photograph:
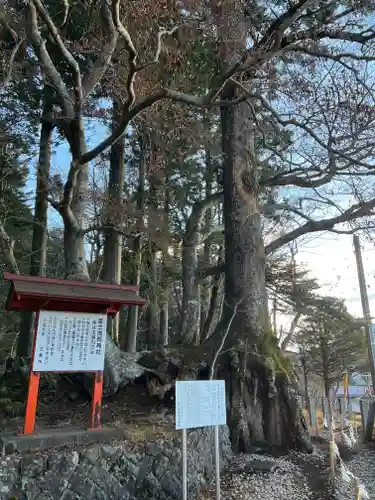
x,y
190,310
39,239
153,306
164,281
132,326
74,215
164,321
112,253
215,306
263,404
326,378
205,286
116,368
155,224
245,287
189,329
130,344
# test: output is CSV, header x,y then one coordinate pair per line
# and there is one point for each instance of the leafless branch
x,y
54,204
285,20
159,45
291,331
354,212
66,11
45,60
211,271
103,229
147,102
215,230
305,127
66,54
92,78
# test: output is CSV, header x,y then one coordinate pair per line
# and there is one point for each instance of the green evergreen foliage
x,y
332,340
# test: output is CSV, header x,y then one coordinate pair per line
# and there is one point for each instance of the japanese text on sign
x,y
200,404
70,342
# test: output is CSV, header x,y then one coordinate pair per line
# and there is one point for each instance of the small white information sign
x,y
70,342
372,331
200,403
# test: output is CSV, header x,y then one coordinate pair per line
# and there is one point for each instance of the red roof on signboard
x,y
35,293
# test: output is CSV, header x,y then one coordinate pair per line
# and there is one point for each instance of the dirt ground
x,y
56,409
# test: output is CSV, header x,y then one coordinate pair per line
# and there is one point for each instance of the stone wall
x,y
126,470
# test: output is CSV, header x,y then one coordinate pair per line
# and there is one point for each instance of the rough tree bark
x,y
73,210
215,307
205,287
117,369
262,398
112,257
153,306
130,344
6,241
164,282
38,259
189,329
155,224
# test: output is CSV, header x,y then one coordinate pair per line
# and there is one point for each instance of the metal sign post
x,y
200,404
217,462
184,464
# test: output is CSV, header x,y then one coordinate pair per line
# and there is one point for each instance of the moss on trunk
x,y
262,392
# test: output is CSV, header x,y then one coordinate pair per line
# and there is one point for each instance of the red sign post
x,y
71,311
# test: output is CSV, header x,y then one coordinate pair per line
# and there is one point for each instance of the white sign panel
x,y
372,332
70,342
200,404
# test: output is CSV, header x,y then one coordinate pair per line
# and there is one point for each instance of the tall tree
x,y
38,259
264,60
114,209
332,341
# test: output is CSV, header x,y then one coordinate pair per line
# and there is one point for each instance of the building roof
x,y
35,293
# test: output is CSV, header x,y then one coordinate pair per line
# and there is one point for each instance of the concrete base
x,y
57,438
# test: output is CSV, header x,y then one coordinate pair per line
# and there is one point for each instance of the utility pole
x,y
367,317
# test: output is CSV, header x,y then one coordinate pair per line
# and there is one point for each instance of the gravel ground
x,y
298,477
363,466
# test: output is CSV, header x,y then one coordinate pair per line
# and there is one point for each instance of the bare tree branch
x,y
105,228
147,102
66,54
66,11
92,78
354,212
211,271
197,213
303,126
45,60
283,22
212,232
291,331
